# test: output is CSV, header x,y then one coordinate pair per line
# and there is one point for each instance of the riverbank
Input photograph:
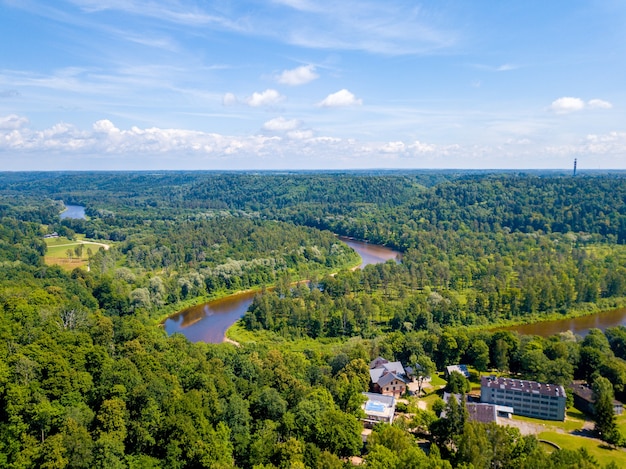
x,y
173,309
543,322
209,320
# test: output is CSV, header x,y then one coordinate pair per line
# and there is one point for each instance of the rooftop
x,y
522,385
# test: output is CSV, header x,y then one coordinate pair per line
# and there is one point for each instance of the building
x,y
388,378
583,399
480,412
528,398
378,408
459,369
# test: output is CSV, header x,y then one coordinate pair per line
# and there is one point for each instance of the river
x,y
73,211
208,322
580,325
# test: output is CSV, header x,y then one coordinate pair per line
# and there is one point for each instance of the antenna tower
x,y
574,166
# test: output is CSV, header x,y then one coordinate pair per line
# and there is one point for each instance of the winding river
x,y
73,211
208,322
579,326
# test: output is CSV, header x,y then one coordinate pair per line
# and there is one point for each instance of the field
x,y
596,448
70,254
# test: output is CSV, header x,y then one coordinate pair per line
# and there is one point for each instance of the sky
x,y
312,84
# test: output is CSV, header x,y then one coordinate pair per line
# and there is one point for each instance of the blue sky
x,y
312,84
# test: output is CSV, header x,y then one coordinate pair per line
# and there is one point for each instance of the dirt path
x,y
105,246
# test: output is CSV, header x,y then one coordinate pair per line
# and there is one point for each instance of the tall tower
x,y
574,166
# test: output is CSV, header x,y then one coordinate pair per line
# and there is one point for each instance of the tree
x,y
479,354
457,383
474,447
604,415
424,368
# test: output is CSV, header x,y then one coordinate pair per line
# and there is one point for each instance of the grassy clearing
x,y
70,254
598,450
430,400
574,420
436,380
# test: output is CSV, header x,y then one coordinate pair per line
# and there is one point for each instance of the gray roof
x,y
583,391
394,368
458,368
483,413
389,377
522,385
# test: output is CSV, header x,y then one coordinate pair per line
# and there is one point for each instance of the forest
x,y
89,379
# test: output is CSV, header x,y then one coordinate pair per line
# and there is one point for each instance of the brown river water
x,y
580,326
208,322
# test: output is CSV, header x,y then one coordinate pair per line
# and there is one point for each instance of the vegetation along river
x,y
580,325
73,211
208,322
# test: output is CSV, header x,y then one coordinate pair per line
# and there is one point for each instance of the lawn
x,y
574,420
70,254
598,450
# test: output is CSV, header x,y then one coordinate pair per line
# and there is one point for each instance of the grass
x,y
598,450
430,400
574,420
436,380
69,254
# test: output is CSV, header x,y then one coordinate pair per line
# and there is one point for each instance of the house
x,y
459,369
486,413
388,378
378,408
583,399
527,398
480,412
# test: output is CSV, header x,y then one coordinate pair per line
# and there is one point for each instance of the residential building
x,y
584,400
480,412
388,378
459,369
378,408
528,398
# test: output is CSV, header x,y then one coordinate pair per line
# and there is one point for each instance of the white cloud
x,y
298,76
104,126
567,104
22,147
421,147
341,98
265,98
393,147
497,68
281,124
300,134
229,99
12,121
599,104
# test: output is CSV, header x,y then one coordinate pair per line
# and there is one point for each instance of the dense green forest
x,y
87,378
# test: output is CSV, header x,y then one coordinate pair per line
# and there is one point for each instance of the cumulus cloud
x,y
341,98
567,104
289,144
298,76
281,124
265,98
300,134
229,99
599,104
12,121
